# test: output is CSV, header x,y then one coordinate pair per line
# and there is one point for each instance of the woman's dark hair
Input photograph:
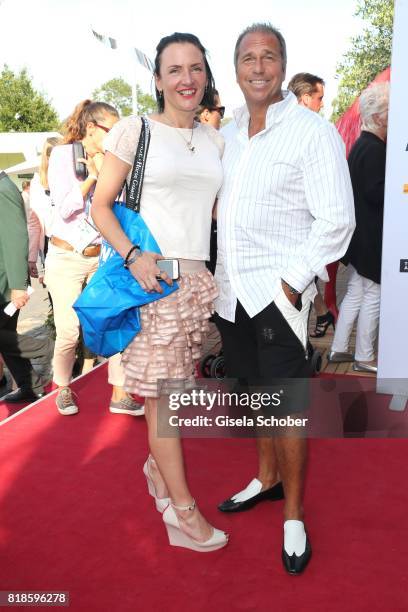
x,y
86,111
179,37
211,105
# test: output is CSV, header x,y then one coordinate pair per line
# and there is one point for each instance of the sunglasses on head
x,y
219,109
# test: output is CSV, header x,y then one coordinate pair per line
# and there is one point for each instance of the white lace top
x,y
180,187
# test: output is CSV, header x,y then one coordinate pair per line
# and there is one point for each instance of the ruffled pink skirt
x,y
161,358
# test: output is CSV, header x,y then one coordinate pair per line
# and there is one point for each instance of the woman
x,y
41,209
70,264
367,171
183,175
213,113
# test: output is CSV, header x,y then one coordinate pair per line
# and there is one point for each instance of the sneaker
x,y
65,402
127,405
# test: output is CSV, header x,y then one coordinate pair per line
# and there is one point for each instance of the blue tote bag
x,y
108,307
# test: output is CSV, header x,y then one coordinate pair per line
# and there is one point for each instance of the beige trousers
x,y
65,274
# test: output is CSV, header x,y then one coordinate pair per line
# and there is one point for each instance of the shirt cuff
x,y
298,278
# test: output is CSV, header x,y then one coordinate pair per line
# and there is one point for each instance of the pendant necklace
x,y
188,143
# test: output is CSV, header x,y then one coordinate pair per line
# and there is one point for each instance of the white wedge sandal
x,y
177,537
161,502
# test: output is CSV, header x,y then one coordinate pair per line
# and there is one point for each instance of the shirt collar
x,y
275,113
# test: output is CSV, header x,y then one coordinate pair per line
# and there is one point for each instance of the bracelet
x,y
129,260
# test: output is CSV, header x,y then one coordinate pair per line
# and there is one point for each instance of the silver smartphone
x,y
170,267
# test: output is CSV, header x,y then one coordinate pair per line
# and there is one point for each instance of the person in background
x,y
212,113
367,170
17,349
309,91
41,211
25,194
75,245
183,176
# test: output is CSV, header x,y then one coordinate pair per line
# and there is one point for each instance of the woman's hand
x,y
145,271
97,160
93,164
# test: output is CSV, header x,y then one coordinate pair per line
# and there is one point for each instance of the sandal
x,y
322,325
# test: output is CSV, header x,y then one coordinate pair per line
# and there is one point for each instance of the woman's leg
x,y
168,455
349,310
368,319
121,401
319,305
65,274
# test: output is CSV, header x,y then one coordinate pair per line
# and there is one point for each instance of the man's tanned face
x,y
260,71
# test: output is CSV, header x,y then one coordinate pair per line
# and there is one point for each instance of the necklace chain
x,y
188,143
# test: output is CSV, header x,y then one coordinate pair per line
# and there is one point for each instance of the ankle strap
x,y
181,508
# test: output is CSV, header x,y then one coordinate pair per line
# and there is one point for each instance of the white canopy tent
x,y
25,167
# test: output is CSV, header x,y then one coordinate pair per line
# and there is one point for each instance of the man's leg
x,y
17,350
283,354
240,351
291,460
268,473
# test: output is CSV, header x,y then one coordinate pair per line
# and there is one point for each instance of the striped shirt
x,y
285,209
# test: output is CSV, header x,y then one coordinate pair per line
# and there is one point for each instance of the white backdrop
x,y
393,338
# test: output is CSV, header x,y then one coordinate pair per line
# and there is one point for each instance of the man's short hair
x,y
263,28
25,184
304,83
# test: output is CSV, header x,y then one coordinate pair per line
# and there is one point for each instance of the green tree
x,y
22,108
118,93
370,52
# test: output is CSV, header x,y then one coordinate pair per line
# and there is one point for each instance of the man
x,y
309,90
16,349
285,211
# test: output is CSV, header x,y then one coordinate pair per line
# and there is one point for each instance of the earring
x,y
161,95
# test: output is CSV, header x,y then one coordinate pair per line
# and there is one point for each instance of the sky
x,y
54,41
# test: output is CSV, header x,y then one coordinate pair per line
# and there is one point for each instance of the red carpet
x,y
75,516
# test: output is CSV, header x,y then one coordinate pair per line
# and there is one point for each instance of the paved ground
x,y
32,321
33,315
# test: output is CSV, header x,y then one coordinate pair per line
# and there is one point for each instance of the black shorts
x,y
265,354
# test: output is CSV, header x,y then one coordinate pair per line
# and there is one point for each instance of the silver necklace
x,y
188,143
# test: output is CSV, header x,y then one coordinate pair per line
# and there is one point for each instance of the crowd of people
x,y
271,195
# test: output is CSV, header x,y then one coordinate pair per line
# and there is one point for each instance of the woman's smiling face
x,y
182,76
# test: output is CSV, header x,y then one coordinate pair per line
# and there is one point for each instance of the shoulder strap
x,y
134,191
